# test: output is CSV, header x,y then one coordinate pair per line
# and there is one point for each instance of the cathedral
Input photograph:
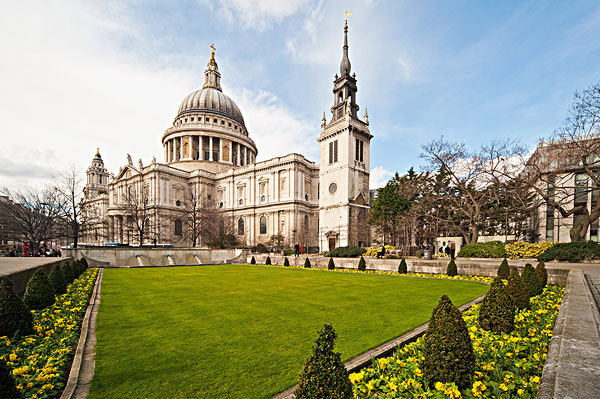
x,y
209,160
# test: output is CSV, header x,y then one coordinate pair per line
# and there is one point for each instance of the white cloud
x,y
379,177
259,14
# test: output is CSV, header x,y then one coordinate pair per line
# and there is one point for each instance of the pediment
x,y
360,200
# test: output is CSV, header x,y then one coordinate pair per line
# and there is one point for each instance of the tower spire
x,y
212,77
345,65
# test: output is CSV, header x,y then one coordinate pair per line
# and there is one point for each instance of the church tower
x,y
97,177
344,166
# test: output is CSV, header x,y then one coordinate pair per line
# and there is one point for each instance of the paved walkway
x,y
10,265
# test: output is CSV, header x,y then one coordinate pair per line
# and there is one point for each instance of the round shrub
x,y
57,280
286,262
497,312
253,261
14,314
504,270
324,374
67,272
531,280
268,261
447,347
542,273
451,269
402,268
331,265
517,290
362,265
8,387
307,263
39,294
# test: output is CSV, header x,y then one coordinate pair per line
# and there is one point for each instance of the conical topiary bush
x,y
497,311
331,265
362,265
307,263
504,270
447,347
14,314
8,386
542,273
253,261
516,290
84,263
67,272
402,268
451,269
57,280
324,374
286,262
268,261
39,294
531,280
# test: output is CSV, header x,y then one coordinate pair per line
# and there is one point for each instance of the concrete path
x,y
10,265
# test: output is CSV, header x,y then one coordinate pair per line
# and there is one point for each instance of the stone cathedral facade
x,y
210,157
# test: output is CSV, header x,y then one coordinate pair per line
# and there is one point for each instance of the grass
x,y
238,331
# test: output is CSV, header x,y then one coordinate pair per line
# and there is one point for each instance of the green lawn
x,y
236,331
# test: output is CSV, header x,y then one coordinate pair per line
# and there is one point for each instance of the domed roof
x,y
212,100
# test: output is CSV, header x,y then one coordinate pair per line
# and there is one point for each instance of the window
x,y
549,223
178,228
332,188
359,150
222,122
333,152
241,226
229,124
581,190
207,120
192,118
306,221
263,224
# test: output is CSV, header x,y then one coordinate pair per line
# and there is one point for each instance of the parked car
x,y
3,252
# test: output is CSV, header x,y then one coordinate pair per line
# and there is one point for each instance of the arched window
x,y
178,228
306,221
241,226
263,224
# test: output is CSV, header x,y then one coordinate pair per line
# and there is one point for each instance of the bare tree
x,y
31,215
216,228
192,215
72,203
136,206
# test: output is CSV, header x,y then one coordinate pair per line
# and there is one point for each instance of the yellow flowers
x,y
418,372
521,249
381,363
355,377
12,357
478,388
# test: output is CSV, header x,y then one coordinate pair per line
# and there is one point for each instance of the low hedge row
x,y
572,252
492,249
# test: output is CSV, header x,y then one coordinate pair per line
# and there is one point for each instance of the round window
x,y
332,188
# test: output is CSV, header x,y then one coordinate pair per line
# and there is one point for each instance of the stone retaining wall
x,y
475,267
20,278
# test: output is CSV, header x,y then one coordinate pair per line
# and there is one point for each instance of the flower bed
x,y
520,249
508,365
39,362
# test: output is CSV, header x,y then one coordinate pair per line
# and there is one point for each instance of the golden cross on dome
x,y
212,51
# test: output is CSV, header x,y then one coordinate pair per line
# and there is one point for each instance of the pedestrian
x,y
297,250
447,251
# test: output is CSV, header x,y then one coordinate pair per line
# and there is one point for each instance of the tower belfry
x,y
344,165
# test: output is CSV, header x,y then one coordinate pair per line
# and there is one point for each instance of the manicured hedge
x,y
572,252
492,249
347,252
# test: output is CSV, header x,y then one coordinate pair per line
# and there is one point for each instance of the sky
x,y
77,75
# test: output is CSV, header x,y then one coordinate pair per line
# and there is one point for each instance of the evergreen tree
x,y
331,265
362,265
517,290
268,261
67,272
8,386
39,294
447,347
57,280
402,268
286,262
532,280
324,374
84,263
542,273
451,269
307,262
253,261
504,270
497,311
14,314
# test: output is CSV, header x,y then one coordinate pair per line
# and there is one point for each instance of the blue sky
x,y
80,75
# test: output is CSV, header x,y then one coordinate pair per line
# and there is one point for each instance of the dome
x,y
211,100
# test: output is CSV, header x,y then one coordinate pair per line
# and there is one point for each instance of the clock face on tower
x,y
332,188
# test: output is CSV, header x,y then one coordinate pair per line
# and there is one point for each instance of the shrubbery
x,y
447,348
572,252
253,261
517,290
451,269
67,272
331,265
286,262
347,252
324,374
7,383
307,263
38,293
520,249
268,261
402,269
492,249
504,270
362,265
531,280
14,314
540,269
57,280
497,312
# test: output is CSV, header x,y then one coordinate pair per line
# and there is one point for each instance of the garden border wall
x,y
21,277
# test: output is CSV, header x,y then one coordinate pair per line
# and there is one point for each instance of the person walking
x,y
297,250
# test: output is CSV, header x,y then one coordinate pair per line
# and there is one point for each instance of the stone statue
x,y
129,161
153,159
140,164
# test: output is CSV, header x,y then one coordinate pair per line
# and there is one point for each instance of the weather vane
x,y
346,15
212,51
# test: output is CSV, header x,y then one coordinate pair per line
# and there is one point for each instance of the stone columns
x,y
210,149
